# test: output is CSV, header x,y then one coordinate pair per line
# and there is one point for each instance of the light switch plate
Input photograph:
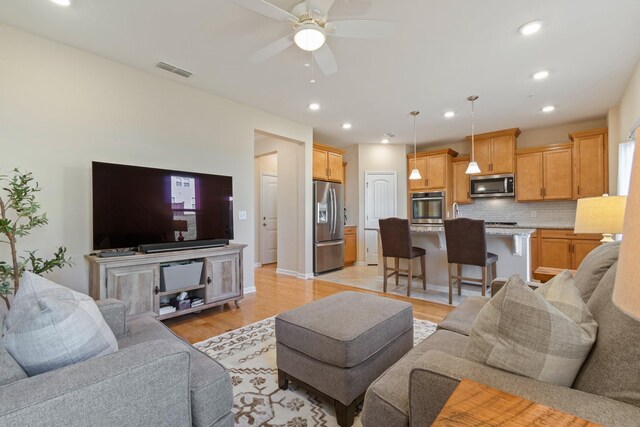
x,y
242,215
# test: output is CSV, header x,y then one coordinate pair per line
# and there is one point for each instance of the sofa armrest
x,y
435,376
499,282
146,384
115,314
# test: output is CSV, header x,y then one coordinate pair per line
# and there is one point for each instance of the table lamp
x,y
601,215
626,292
180,225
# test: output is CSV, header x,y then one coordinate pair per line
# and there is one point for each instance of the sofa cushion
x,y
613,367
211,391
10,371
387,399
50,326
594,266
344,329
544,334
461,319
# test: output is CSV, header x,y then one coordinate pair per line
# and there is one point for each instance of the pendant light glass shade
x,y
473,167
415,173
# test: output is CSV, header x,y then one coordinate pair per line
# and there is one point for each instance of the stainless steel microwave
x,y
428,208
493,186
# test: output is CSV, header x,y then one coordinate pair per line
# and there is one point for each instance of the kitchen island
x,y
511,244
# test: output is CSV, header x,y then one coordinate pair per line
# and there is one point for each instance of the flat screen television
x,y
135,205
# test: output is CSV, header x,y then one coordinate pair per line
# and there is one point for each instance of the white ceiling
x,y
441,52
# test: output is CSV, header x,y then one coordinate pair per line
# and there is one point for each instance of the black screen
x,y
135,205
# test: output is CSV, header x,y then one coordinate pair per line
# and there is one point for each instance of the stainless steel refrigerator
x,y
328,230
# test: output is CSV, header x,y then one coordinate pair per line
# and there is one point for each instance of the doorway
x,y
380,201
268,218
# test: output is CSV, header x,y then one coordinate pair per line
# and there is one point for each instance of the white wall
x,y
61,108
352,185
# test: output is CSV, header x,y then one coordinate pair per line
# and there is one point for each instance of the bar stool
x,y
396,243
467,244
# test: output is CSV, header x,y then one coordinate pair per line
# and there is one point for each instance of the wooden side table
x,y
475,404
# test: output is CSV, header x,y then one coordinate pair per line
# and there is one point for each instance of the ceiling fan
x,y
311,28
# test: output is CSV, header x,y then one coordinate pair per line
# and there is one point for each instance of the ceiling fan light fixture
x,y
309,37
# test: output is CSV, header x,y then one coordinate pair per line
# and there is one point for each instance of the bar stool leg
x,y
459,270
409,277
397,270
450,285
384,274
494,272
484,280
424,272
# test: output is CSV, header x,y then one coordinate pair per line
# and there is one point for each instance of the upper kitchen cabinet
x,y
544,173
495,151
590,163
327,163
461,181
434,168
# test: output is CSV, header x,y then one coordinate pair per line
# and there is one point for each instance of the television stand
x,y
135,280
190,244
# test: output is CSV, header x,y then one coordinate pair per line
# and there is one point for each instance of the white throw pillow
x,y
50,326
544,334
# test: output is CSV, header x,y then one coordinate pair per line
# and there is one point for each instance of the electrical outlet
x,y
533,214
242,215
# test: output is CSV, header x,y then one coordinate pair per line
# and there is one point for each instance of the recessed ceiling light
x,y
385,141
548,108
541,75
449,114
346,126
62,2
530,28
314,106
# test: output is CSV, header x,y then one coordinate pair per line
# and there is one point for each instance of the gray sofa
x,y
606,391
154,379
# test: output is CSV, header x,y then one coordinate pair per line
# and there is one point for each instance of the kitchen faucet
x,y
456,210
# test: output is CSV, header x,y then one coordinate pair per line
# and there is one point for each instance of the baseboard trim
x,y
306,276
257,265
360,264
286,272
251,290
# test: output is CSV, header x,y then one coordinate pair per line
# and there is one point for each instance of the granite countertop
x,y
491,231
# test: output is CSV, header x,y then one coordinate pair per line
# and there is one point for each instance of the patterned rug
x,y
249,354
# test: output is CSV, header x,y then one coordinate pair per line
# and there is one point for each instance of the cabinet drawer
x,y
350,230
568,234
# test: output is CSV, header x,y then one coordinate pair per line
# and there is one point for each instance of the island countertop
x,y
491,231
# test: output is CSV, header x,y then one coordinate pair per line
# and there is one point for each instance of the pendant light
x,y
473,167
415,173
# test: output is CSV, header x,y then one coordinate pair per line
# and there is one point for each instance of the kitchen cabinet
x,y
495,151
461,181
434,168
564,248
590,163
350,245
327,163
544,173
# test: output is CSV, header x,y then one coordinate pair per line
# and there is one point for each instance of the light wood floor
x,y
276,293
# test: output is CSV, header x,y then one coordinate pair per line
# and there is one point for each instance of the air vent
x,y
173,69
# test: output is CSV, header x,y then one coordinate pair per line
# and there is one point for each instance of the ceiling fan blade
x,y
325,59
267,9
272,49
322,6
359,29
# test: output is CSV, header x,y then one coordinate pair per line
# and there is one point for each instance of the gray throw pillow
x,y
544,334
50,326
594,266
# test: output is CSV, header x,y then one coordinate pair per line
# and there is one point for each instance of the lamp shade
x,y
180,225
600,214
415,174
626,292
473,168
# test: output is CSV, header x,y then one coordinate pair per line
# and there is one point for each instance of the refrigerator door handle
x,y
324,244
335,211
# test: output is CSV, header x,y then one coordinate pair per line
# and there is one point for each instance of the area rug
x,y
249,354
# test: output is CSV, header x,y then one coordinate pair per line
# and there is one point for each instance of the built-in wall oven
x,y
428,208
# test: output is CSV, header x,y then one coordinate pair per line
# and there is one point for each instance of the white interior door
x,y
380,202
269,218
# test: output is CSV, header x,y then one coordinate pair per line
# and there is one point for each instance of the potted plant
x,y
19,214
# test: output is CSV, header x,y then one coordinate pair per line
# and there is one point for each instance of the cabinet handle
x,y
468,195
541,193
544,191
427,180
208,280
156,290
578,189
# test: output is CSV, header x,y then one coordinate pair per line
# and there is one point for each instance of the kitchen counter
x,y
491,231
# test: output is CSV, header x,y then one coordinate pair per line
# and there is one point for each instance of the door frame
x,y
261,237
367,175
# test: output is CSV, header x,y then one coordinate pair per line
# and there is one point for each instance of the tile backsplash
x,y
561,213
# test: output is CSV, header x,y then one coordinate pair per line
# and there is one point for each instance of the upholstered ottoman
x,y
339,345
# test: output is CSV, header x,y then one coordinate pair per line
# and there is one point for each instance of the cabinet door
x,y
320,164
461,184
581,249
223,277
350,249
483,155
421,165
335,167
589,172
136,287
529,177
502,152
436,171
557,175
555,253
